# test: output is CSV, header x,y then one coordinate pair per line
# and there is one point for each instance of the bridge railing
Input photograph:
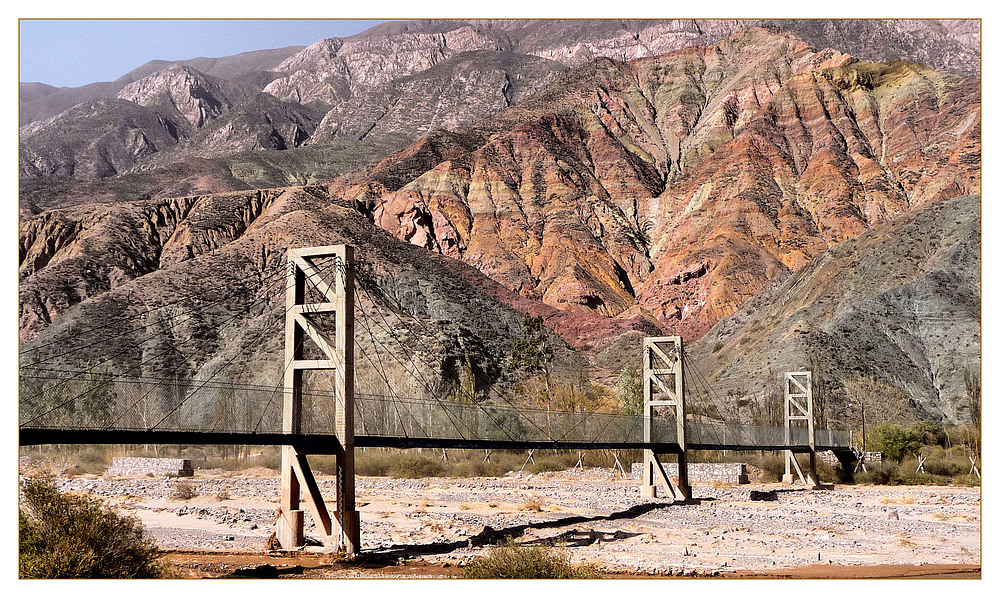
x,y
394,417
750,436
90,401
97,402
409,418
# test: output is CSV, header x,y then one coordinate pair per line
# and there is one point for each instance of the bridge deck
x,y
323,444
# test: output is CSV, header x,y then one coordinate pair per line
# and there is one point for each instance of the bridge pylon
x,y
343,529
663,386
799,408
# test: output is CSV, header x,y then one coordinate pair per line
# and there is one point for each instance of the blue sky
x,y
70,53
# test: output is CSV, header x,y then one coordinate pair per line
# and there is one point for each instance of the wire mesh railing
x,y
103,402
752,436
100,402
394,417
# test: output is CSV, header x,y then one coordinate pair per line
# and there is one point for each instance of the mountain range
x,y
723,180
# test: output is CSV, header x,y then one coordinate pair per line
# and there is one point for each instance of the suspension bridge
x,y
300,413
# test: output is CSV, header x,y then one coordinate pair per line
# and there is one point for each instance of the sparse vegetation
x,y
468,463
64,536
532,503
183,491
516,561
876,403
630,391
942,467
530,352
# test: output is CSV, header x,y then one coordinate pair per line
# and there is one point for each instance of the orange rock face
x,y
681,184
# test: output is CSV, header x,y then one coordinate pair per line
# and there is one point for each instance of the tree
x,y
530,352
819,394
973,392
97,397
896,442
629,389
931,433
877,403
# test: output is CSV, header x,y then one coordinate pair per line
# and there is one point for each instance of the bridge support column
x,y
343,531
663,386
799,408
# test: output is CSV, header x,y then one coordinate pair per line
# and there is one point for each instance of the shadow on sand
x,y
391,554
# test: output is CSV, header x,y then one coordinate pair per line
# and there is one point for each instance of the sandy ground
x,y
431,527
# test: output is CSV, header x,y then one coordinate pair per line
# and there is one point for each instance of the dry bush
x,y
183,491
269,458
515,561
967,480
532,503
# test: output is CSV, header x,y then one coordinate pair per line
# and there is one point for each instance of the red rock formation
x,y
683,183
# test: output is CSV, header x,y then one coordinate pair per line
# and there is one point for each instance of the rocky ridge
x,y
901,302
681,184
195,286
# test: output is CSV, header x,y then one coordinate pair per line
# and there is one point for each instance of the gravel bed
x,y
600,518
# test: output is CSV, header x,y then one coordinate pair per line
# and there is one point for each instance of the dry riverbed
x,y
430,527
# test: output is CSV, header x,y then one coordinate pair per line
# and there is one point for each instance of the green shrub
x,y
967,480
931,433
65,536
896,442
397,464
945,468
416,466
514,561
886,475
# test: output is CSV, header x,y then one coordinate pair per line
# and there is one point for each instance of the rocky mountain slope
x,y
334,69
193,287
346,75
679,185
39,102
177,111
901,302
486,169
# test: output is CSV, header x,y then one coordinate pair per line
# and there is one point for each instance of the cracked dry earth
x,y
430,527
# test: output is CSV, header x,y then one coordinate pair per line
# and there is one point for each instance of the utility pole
x,y
864,437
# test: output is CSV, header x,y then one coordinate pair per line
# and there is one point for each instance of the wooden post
x,y
296,477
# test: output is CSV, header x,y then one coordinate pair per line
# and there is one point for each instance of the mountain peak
x,y
192,94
